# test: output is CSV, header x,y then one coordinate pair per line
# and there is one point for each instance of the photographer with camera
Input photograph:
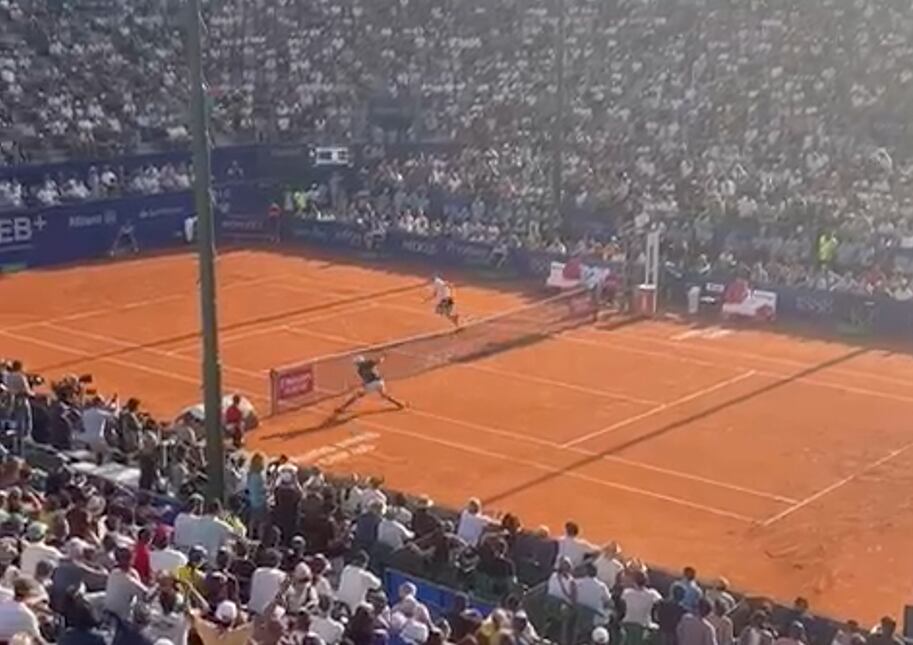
x,y
18,386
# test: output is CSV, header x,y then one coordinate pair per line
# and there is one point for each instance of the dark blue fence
x,y
835,311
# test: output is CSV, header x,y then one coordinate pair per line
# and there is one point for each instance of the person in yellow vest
x,y
827,246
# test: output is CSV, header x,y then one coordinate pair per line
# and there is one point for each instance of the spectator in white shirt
x,y
266,582
186,523
408,591
593,594
472,523
324,625
572,547
36,550
124,586
356,581
609,565
16,617
406,624
639,601
96,418
212,532
561,584
391,532
374,494
164,557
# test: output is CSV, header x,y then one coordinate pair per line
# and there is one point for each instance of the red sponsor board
x,y
295,382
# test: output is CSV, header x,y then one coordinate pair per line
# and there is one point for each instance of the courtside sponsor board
x,y
298,381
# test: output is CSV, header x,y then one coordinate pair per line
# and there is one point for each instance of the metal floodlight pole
x,y
212,387
559,126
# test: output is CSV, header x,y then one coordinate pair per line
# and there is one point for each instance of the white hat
x,y
600,635
227,612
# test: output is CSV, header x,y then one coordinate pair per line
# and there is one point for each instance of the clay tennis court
x,y
782,462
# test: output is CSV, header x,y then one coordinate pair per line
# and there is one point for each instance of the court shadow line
x,y
674,425
331,422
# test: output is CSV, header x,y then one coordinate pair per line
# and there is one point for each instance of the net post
x,y
271,395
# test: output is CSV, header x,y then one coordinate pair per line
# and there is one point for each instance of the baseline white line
x,y
554,470
133,365
590,453
660,408
354,343
830,489
619,347
149,350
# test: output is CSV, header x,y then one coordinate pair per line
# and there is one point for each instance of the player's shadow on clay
x,y
329,423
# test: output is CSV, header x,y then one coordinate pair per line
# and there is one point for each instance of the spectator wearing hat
x,y
228,626
424,522
356,581
36,550
599,636
16,614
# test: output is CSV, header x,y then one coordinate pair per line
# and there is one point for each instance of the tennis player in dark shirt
x,y
371,381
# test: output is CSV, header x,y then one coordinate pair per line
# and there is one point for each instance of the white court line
x,y
149,350
80,315
660,408
620,347
550,469
133,365
343,340
590,453
251,333
864,374
830,489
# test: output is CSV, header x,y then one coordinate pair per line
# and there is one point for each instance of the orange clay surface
x,y
782,462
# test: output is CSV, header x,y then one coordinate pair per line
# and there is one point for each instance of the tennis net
x,y
309,382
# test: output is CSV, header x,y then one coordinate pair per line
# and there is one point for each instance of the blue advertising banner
x,y
93,230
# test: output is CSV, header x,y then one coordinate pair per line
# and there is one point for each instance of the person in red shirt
x,y
234,421
141,560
